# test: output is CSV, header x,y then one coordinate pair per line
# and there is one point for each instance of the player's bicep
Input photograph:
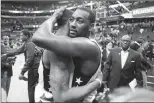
x,y
83,48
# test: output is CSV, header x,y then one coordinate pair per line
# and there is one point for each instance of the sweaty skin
x,y
61,51
59,66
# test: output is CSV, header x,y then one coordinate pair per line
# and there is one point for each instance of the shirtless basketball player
x,y
64,51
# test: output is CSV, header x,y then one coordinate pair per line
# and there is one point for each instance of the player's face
x,y
79,24
23,37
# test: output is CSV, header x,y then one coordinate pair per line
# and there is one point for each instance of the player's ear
x,y
91,27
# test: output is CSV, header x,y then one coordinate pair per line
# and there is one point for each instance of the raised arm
x,y
66,46
63,45
46,29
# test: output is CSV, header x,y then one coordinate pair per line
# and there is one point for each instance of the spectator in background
x,y
150,51
32,60
141,30
148,47
6,67
105,52
122,66
145,65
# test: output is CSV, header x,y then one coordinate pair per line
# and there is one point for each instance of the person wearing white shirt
x,y
124,55
122,66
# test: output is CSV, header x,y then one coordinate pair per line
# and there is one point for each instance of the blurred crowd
x,y
14,43
131,26
132,5
34,6
25,21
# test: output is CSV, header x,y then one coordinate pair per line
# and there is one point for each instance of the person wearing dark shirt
x,y
6,68
145,64
32,60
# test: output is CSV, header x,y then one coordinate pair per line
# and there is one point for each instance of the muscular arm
x,y
78,93
29,58
20,50
63,45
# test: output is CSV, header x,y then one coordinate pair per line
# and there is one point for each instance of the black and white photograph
x,y
77,51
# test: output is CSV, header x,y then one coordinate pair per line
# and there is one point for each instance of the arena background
x,y
112,17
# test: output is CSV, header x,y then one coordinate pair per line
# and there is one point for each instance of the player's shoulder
x,y
48,54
